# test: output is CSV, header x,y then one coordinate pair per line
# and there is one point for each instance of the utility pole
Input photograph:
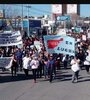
x,y
28,21
28,30
22,16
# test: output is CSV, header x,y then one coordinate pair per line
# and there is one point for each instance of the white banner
x,y
6,62
10,39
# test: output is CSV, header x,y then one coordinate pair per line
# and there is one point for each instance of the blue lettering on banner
x,y
66,50
68,43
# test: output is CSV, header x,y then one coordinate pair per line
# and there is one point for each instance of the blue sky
x,y
39,9
85,9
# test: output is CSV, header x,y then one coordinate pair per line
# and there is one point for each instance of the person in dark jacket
x,y
81,56
19,55
51,68
14,66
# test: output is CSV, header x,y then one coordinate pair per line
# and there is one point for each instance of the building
x,y
66,9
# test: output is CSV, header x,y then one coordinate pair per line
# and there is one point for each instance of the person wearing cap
x,y
34,66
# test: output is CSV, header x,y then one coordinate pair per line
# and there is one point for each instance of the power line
x,y
35,12
33,8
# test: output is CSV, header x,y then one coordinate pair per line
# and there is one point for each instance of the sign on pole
x,y
63,18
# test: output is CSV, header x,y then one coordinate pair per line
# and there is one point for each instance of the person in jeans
x,y
51,69
75,68
34,66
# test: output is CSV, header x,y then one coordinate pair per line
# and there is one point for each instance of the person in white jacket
x,y
26,61
34,66
75,68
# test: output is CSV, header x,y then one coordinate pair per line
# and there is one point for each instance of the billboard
x,y
71,8
35,23
57,8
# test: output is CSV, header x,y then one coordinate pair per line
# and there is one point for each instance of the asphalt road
x,y
23,88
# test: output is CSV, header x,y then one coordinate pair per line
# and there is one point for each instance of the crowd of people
x,y
44,64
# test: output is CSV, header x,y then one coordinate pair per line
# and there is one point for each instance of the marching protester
x,y
66,59
87,63
34,66
40,67
81,56
26,64
14,66
88,50
51,68
19,55
57,63
45,67
75,68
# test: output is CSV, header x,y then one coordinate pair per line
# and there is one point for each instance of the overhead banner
x,y
10,38
60,44
5,62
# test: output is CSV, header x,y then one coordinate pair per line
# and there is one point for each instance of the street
x,y
22,88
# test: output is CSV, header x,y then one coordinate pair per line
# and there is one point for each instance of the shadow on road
x,y
19,77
